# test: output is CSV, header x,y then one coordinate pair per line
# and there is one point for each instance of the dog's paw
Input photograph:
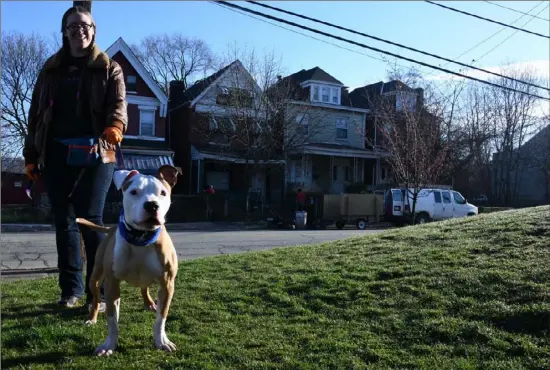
x,y
106,349
150,307
165,344
90,322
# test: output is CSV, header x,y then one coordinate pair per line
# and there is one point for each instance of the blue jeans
x,y
87,201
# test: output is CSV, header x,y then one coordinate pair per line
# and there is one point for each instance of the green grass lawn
x,y
470,293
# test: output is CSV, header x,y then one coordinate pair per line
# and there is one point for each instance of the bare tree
x,y
22,59
410,126
174,57
256,123
513,122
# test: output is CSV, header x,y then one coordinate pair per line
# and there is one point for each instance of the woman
x,y
76,120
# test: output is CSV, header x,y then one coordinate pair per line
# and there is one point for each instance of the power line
x,y
487,19
494,34
515,10
391,43
506,39
311,37
232,5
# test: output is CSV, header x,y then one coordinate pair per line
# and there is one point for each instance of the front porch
x,y
327,168
229,174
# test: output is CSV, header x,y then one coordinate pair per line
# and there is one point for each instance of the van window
x,y
397,196
446,197
459,199
437,197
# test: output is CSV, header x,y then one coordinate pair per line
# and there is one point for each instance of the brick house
x,y
324,138
145,146
201,117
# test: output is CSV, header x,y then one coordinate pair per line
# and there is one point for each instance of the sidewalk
x,y
187,226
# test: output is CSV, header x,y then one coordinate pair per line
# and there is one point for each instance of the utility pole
x,y
85,4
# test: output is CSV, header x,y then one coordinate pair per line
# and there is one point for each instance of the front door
x,y
460,205
340,175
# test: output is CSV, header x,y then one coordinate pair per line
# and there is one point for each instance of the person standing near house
x,y
301,200
77,118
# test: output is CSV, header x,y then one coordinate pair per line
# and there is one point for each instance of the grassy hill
x,y
469,293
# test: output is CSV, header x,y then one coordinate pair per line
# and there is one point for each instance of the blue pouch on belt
x,y
82,152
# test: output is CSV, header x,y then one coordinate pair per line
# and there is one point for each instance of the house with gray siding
x,y
324,140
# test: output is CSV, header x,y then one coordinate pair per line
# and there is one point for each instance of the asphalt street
x,y
29,251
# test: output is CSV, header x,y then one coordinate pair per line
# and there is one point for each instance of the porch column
x,y
330,173
198,176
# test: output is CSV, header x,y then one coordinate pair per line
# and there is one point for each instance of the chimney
x,y
85,4
176,95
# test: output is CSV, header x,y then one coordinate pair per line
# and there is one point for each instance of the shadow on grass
x,y
536,323
29,311
46,358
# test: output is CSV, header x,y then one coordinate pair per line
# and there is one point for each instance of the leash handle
x,y
119,157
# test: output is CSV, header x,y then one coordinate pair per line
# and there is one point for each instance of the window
x,y
335,96
342,128
303,123
346,173
131,83
18,184
146,122
459,199
405,101
446,197
397,196
315,93
298,171
437,197
223,96
334,173
383,174
325,94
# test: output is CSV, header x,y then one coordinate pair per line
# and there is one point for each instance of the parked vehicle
x,y
433,204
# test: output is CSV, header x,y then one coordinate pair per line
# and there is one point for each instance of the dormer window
x,y
405,101
325,94
315,93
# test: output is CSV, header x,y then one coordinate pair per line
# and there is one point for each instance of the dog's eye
x,y
163,193
133,192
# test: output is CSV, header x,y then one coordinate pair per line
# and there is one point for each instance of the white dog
x,y
138,251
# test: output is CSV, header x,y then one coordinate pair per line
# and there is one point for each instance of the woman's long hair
x,y
68,13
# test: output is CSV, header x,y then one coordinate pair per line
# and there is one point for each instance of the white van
x,y
433,204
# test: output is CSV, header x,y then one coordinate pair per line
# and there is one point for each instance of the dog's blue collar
x,y
139,238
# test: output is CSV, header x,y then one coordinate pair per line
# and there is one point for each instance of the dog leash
x,y
119,163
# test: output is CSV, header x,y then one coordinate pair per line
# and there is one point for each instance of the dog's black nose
x,y
151,207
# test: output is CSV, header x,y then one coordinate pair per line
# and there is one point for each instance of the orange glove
x,y
31,171
113,135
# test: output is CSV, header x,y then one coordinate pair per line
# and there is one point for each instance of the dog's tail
x,y
91,225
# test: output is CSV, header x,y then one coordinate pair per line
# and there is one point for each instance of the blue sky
x,y
415,23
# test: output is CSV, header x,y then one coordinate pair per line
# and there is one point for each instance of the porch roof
x,y
223,154
336,150
144,160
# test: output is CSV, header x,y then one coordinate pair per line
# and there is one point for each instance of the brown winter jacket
x,y
106,90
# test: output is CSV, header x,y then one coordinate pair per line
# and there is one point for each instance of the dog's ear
x,y
169,174
120,177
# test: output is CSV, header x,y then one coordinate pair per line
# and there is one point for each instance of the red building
x,y
145,146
